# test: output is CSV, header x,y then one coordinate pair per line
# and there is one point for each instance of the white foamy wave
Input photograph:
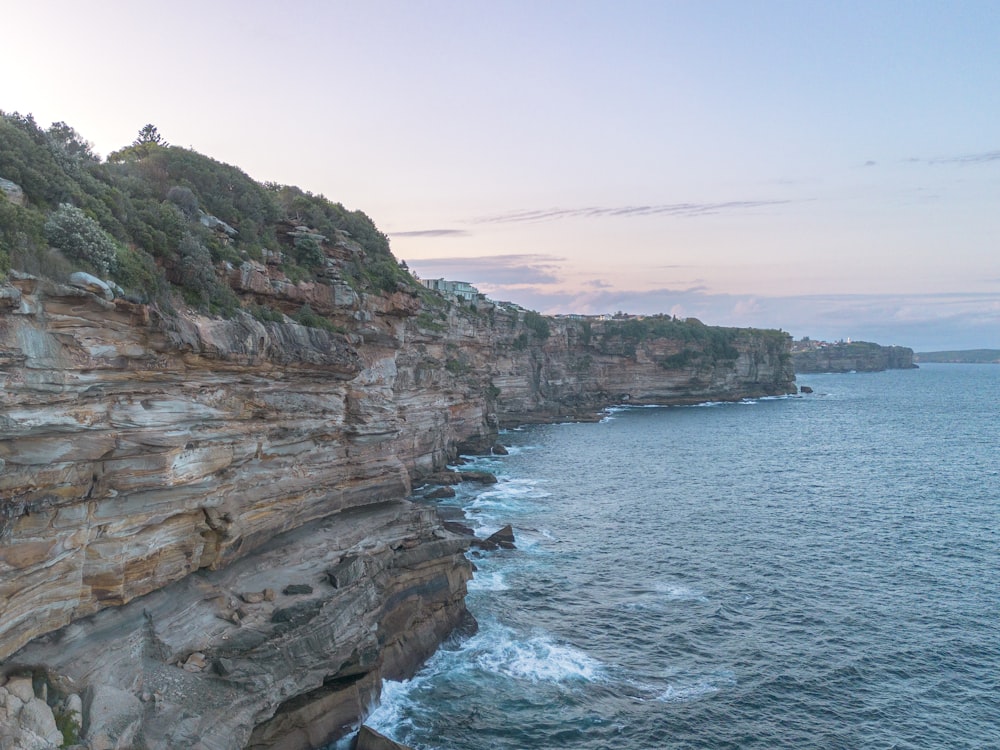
x,y
684,688
680,593
513,450
509,493
393,711
528,537
538,659
483,581
685,693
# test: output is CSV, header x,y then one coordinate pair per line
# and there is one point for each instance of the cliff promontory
x,y
208,439
853,356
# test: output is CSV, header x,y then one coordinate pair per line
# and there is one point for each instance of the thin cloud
x,y
495,270
665,209
431,233
984,157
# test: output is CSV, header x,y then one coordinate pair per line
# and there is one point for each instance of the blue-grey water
x,y
819,571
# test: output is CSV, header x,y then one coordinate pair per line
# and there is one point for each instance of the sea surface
x,y
818,571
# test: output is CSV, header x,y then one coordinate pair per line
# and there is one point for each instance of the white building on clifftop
x,y
461,289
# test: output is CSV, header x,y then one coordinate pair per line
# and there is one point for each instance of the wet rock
x,y
483,477
440,493
456,527
502,539
369,739
296,589
805,389
445,478
499,450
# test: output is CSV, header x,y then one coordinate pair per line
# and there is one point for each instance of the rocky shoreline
x,y
204,537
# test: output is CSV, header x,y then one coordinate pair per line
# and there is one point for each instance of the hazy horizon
x,y
831,170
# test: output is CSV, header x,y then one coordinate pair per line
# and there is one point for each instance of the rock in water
x,y
445,477
483,477
369,739
440,493
502,539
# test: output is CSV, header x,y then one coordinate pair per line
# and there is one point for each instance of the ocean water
x,y
820,571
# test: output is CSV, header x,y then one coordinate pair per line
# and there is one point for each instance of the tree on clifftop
x,y
149,135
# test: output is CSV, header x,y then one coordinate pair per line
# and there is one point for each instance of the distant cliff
x,y
856,356
963,356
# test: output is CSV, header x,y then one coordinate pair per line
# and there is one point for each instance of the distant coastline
x,y
810,356
961,356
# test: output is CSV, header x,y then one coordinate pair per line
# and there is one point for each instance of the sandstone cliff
x,y
856,356
204,540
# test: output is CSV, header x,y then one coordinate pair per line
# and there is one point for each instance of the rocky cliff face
x,y
203,536
857,356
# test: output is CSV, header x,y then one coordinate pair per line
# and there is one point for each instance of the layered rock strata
x,y
203,537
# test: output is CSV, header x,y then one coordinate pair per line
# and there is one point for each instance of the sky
x,y
828,168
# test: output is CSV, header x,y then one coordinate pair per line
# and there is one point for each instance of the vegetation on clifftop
x,y
158,219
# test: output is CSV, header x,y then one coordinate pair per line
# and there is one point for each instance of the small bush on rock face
x,y
184,199
81,238
537,323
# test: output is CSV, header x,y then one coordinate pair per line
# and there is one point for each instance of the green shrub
x,y
81,238
537,324
310,319
457,366
265,314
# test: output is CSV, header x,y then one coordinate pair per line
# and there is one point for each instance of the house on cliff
x,y
461,289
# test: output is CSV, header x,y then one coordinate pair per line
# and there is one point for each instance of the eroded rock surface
x,y
202,530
